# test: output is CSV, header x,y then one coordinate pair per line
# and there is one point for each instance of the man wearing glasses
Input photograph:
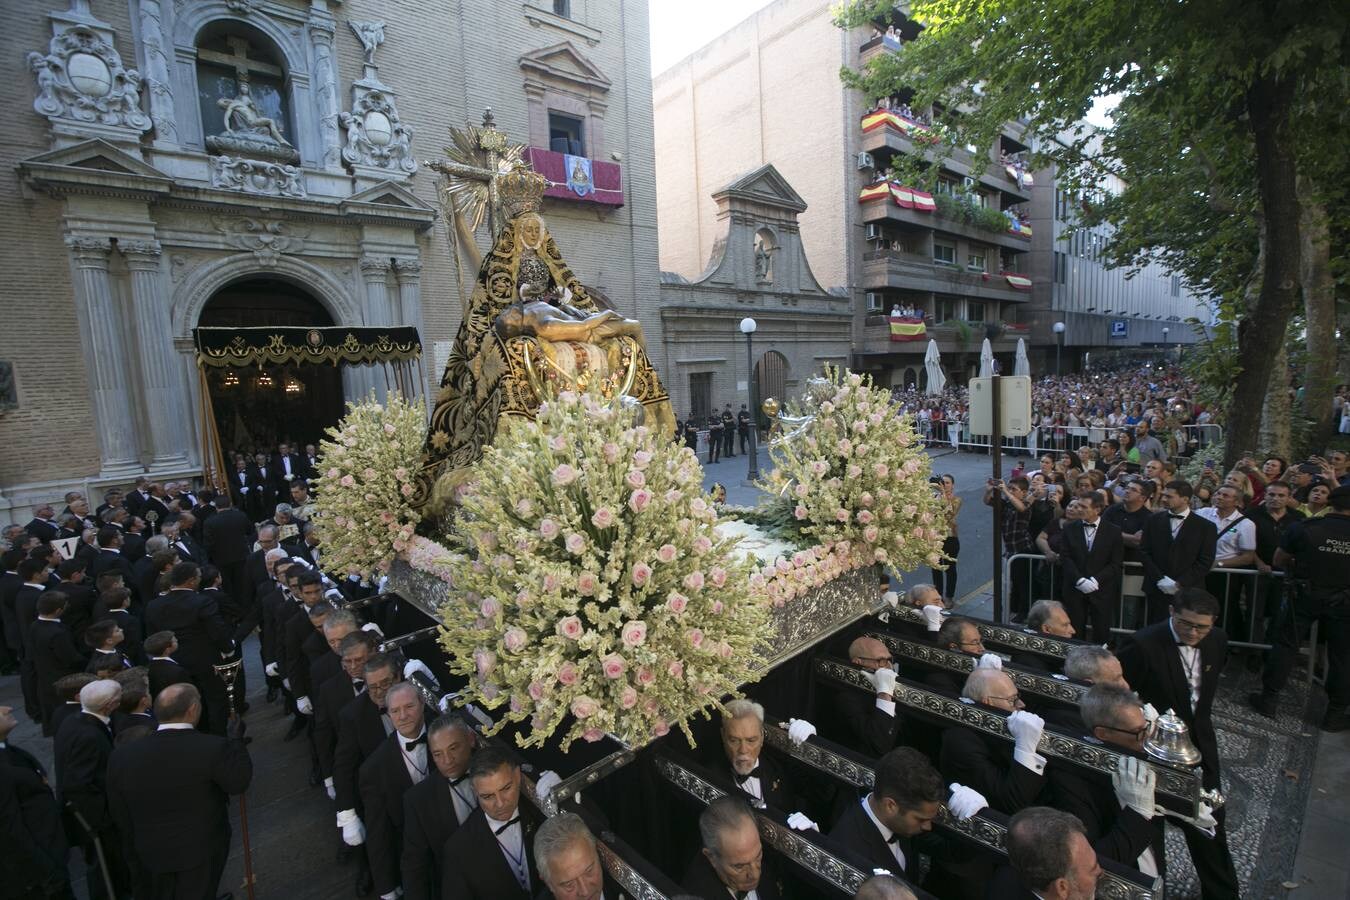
x,y
1118,817
981,761
1175,664
869,726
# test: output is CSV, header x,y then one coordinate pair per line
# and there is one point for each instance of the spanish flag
x,y
903,196
878,191
923,201
1018,282
904,328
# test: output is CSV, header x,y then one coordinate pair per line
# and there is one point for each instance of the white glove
x,y
965,802
799,822
328,787
286,683
447,703
1088,586
799,730
1134,781
1205,821
353,832
933,616
373,629
1150,714
892,599
544,785
990,661
1026,730
883,680
392,895
416,665
306,708
1167,585
272,670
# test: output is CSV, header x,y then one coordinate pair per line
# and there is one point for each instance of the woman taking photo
x,y
945,581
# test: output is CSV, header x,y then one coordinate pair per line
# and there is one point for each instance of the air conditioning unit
x,y
874,302
874,233
865,161
967,182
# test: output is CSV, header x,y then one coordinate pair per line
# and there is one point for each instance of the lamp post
x,y
1059,344
748,326
1166,344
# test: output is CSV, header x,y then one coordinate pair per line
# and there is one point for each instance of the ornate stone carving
x,y
85,247
266,239
81,79
141,254
256,177
248,131
321,34
408,268
374,135
157,83
239,7
371,36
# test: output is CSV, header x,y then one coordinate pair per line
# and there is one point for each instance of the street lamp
x,y
1166,345
1059,344
748,327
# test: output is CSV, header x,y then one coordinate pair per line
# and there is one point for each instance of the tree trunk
x,y
1319,309
1261,332
1275,416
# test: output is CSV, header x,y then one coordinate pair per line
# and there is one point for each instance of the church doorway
x,y
258,407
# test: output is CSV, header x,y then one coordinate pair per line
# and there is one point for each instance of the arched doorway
x,y
771,377
258,408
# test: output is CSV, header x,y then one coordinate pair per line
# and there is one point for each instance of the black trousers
x,y
728,442
198,883
745,438
1301,608
1213,862
945,581
1091,615
714,445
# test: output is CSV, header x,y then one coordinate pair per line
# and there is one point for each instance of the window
x,y
981,199
562,8
946,310
224,62
944,254
566,134
1061,268
974,311
975,262
1176,285
700,394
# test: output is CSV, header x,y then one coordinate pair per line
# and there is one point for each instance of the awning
x,y
1018,282
906,328
276,346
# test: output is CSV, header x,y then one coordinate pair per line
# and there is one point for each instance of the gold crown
x,y
521,190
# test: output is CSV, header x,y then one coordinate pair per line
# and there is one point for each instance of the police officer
x,y
743,426
1316,553
691,434
728,433
714,437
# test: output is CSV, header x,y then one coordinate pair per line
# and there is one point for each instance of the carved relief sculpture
x,y
375,136
371,36
256,177
248,131
266,239
82,79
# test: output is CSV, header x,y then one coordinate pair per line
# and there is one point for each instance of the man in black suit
x,y
178,839
10,582
43,524
286,467
401,761
1175,664
752,773
68,697
1051,857
866,724
1177,549
1010,780
362,727
82,748
54,653
296,629
428,819
135,717
156,508
891,827
731,863
568,864
334,695
133,536
115,605
1119,818
162,669
203,638
181,541
30,819
33,581
1092,557
139,496
492,849
228,536
110,558
244,488
265,472
310,462
80,596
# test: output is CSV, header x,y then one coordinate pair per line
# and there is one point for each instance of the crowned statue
x,y
530,331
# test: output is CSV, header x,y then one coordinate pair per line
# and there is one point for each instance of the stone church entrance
x,y
260,406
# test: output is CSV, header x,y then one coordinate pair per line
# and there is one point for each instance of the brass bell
x,y
1170,741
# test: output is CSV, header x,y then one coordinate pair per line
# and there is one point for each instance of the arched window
x,y
231,56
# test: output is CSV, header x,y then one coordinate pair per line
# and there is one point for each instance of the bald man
x,y
982,761
866,724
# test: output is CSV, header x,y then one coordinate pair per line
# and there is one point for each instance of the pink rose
x,y
866,499
634,633
550,583
603,517
587,584
484,661
718,576
611,452
675,668
591,735
524,508
645,676
865,516
660,729
841,515
641,458
724,650
332,473
584,707
642,573
799,512
514,639
695,637
702,545
548,529
575,544
570,628
698,505
489,690
819,467
853,471
639,500
557,443
567,674
564,475
406,490
694,580
870,534
628,698
347,481
667,553
673,496
388,428
880,470
536,690
635,478
801,491
489,608
717,607
613,666
844,447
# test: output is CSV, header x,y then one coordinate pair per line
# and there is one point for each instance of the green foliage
x,y
963,208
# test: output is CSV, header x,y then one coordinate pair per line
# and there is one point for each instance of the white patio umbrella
x,y
986,359
932,363
1021,365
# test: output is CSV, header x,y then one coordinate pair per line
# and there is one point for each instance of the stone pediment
x,y
95,154
764,185
389,201
564,63
93,164
388,193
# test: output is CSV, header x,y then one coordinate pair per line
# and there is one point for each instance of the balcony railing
x,y
892,199
576,178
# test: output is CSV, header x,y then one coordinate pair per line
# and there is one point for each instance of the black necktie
x,y
455,782
894,838
358,685
742,779
1173,515
412,745
740,895
509,823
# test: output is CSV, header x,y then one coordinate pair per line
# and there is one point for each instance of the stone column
x,y
107,362
408,270
375,271
161,386
155,68
321,33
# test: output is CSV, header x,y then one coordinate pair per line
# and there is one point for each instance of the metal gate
x,y
771,377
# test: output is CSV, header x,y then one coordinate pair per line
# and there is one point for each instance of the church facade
x,y
253,163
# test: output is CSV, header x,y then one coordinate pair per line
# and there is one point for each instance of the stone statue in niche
x,y
375,136
81,78
371,36
764,251
248,131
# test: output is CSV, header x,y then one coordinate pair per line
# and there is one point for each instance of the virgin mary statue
x,y
531,329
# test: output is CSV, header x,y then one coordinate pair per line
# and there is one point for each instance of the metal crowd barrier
x,y
1132,615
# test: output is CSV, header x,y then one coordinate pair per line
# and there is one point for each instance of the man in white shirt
x,y
1235,549
396,765
731,863
493,848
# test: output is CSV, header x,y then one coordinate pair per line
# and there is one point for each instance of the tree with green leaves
x,y
1217,139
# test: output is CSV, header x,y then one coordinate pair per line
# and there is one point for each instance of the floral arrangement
x,y
854,479
594,593
367,467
